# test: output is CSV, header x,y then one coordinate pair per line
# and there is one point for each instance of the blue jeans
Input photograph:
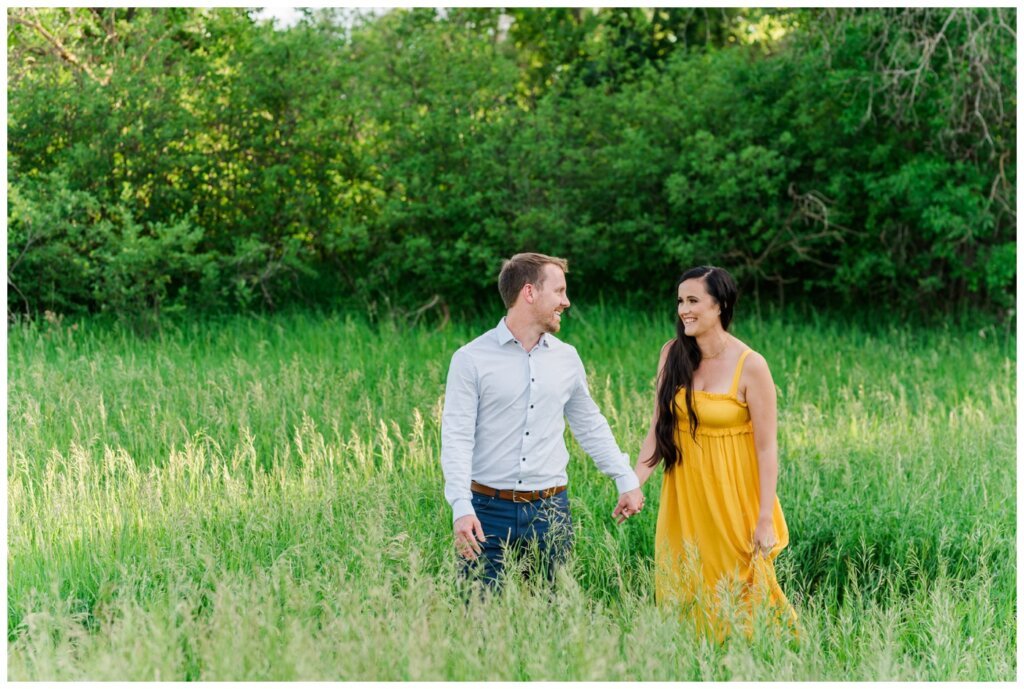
x,y
539,533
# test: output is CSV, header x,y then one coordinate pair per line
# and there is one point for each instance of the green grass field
x,y
261,498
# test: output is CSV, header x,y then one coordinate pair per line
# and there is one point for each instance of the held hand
x,y
467,532
764,537
630,503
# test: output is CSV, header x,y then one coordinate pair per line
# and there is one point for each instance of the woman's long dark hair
x,y
683,359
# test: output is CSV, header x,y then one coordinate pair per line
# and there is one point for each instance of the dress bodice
x,y
717,412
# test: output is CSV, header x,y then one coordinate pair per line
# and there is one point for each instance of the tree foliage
x,y
169,159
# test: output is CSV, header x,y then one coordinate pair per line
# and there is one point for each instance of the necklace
x,y
718,353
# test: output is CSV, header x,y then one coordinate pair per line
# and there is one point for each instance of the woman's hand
x,y
764,536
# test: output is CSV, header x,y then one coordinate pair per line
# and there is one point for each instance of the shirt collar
x,y
505,335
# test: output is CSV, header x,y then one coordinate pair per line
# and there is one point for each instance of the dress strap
x,y
736,376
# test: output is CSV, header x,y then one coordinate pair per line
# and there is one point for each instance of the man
x,y
503,451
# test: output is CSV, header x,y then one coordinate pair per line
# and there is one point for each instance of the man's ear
x,y
528,293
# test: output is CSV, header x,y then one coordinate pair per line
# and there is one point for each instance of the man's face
x,y
550,299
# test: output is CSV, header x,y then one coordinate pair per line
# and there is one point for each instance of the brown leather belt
x,y
515,495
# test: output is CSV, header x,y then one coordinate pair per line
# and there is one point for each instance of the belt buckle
x,y
520,495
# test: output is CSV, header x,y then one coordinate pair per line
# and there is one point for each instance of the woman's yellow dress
x,y
710,502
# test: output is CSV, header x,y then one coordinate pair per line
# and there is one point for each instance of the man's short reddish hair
x,y
524,269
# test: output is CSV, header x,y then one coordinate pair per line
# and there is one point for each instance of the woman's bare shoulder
x,y
663,355
756,364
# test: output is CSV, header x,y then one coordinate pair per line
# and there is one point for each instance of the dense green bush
x,y
198,159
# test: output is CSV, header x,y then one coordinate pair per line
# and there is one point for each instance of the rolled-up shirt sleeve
x,y
458,430
594,435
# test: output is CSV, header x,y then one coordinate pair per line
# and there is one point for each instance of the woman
x,y
720,525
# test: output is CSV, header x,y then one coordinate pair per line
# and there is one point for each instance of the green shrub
x,y
426,146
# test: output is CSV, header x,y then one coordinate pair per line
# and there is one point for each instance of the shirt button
x,y
524,459
532,380
527,432
531,406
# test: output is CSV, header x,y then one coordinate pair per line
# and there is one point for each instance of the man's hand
x,y
467,532
630,503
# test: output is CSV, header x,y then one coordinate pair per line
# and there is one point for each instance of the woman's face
x,y
697,309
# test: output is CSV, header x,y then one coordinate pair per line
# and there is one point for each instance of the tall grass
x,y
261,498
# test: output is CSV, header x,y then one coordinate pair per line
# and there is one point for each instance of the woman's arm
x,y
649,447
760,397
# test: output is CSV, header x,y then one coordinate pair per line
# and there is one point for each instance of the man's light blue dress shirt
x,y
504,418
